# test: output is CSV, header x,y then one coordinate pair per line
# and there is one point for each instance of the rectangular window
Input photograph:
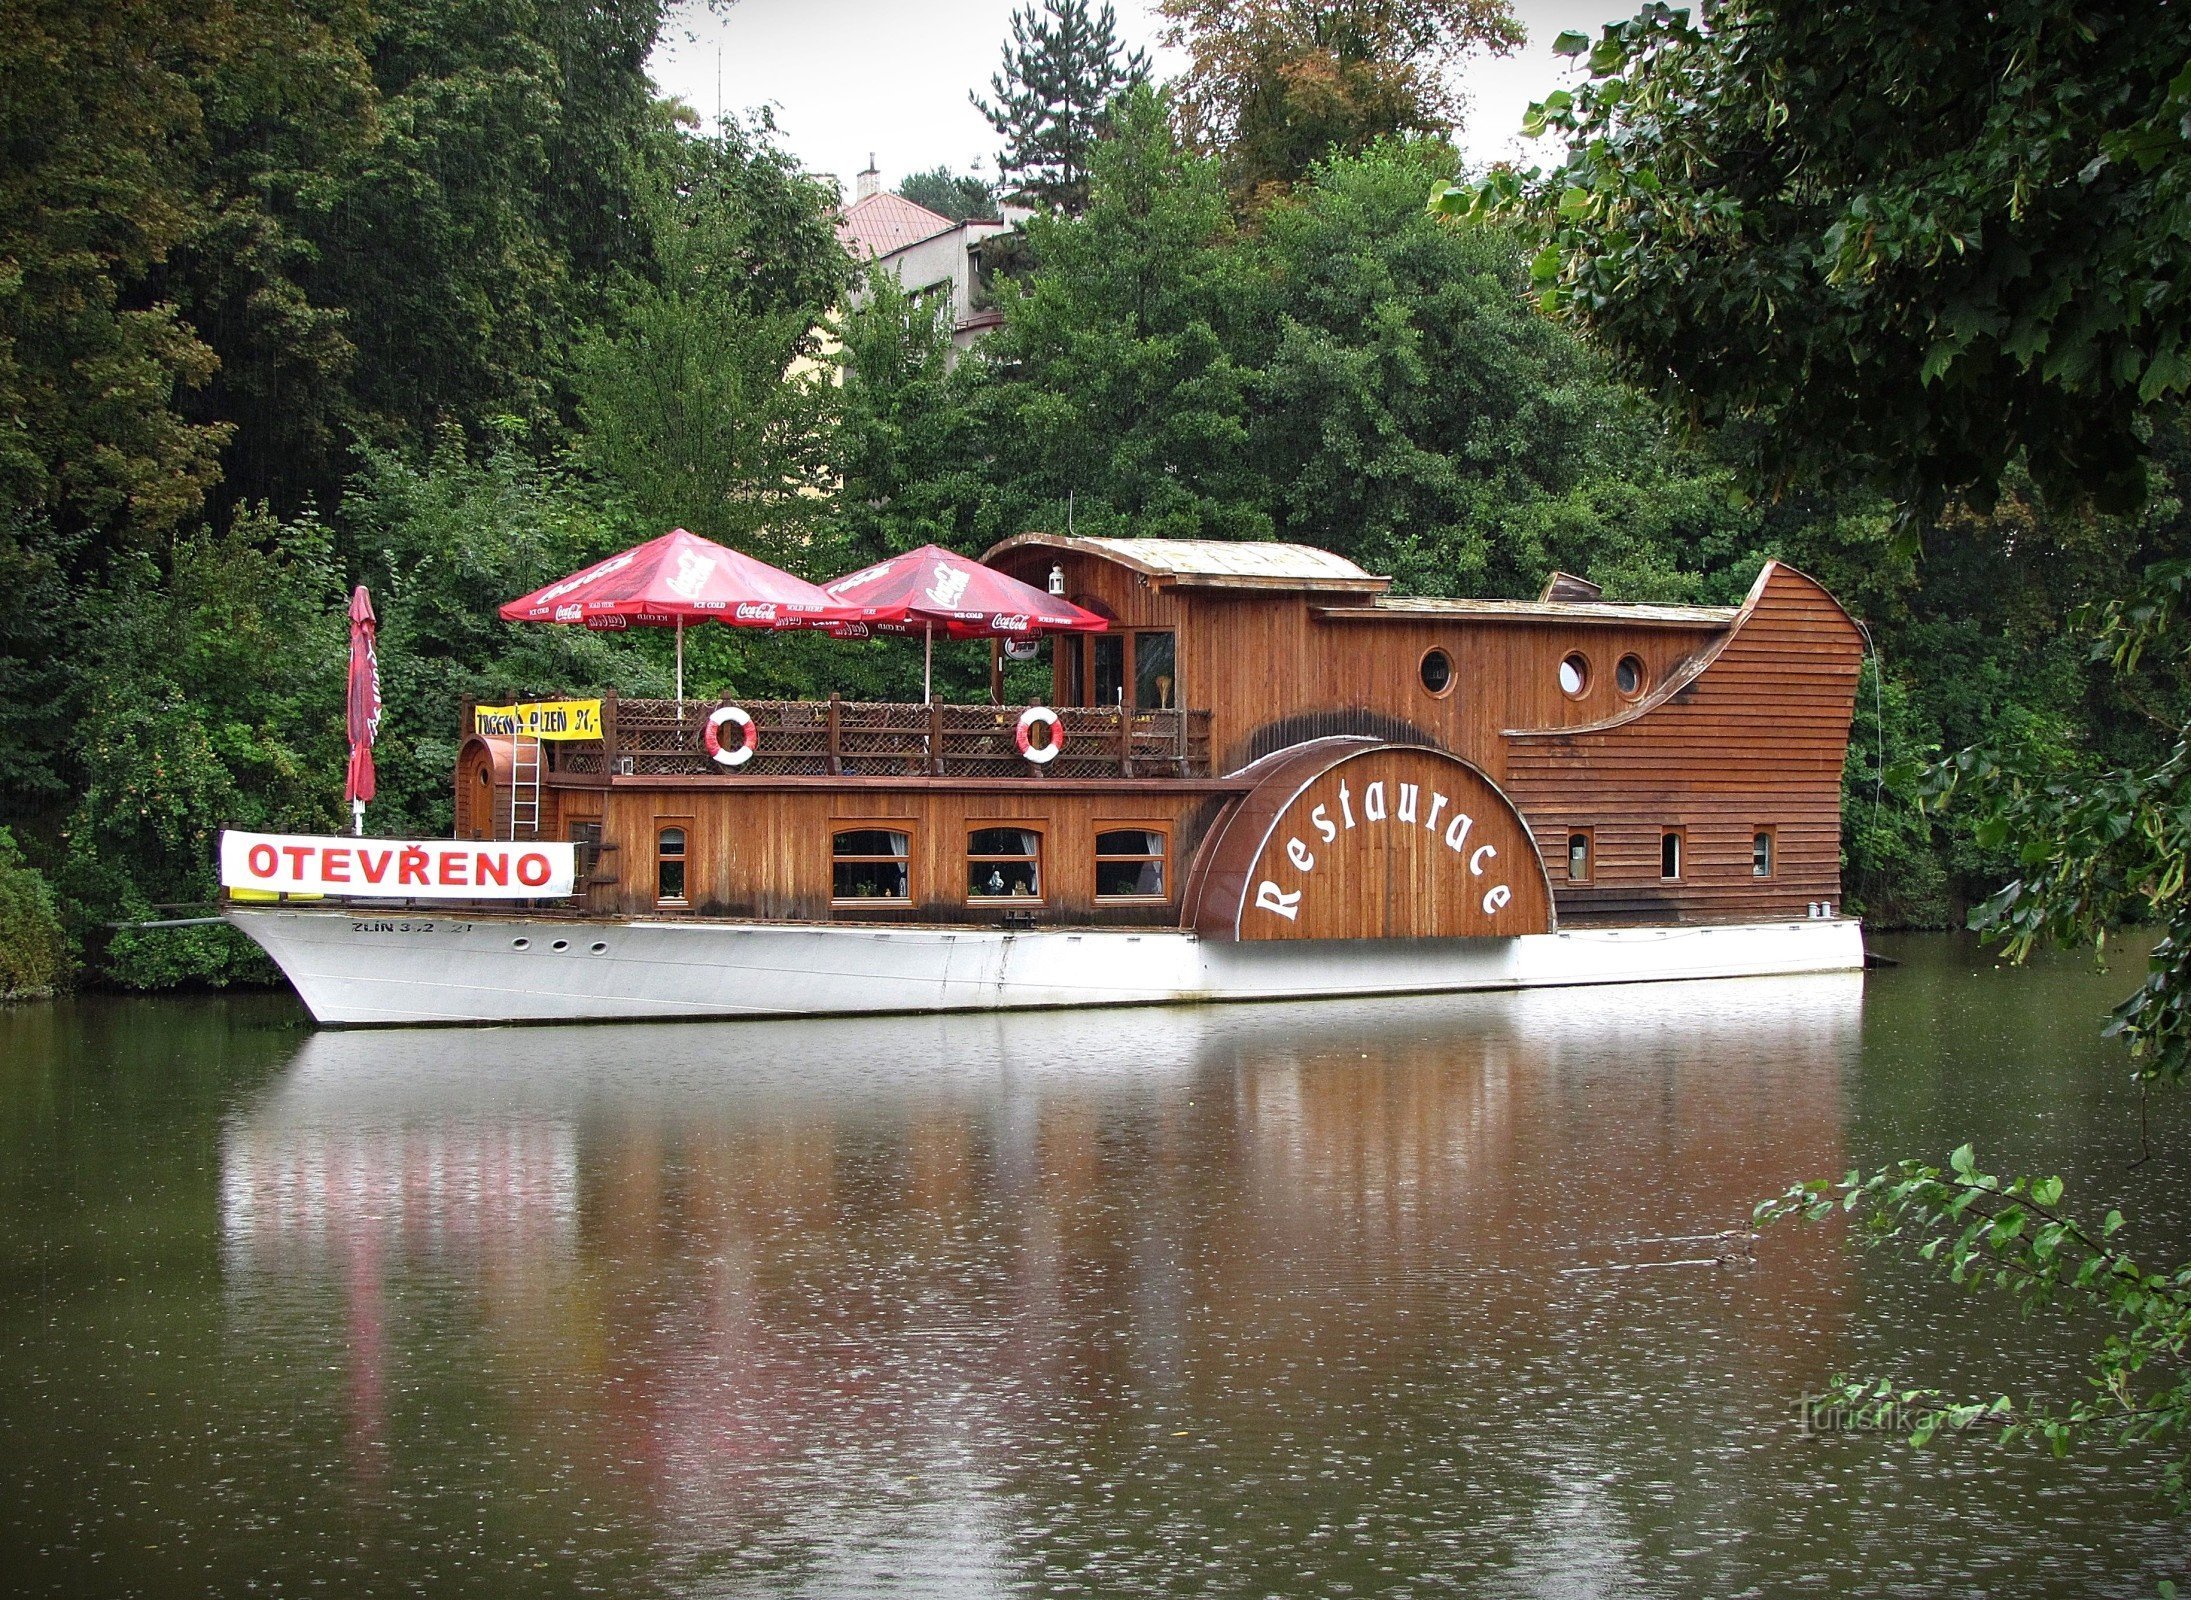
x,y
1130,864
1761,853
669,866
1003,864
1578,856
1156,671
1109,650
871,864
1669,854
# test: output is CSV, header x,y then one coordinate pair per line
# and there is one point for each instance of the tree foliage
x,y
1279,85
956,195
1900,247
1061,69
2016,1237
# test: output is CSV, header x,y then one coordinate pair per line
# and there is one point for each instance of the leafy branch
x,y
2097,851
2016,1237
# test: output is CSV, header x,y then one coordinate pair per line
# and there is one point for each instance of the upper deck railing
x,y
854,738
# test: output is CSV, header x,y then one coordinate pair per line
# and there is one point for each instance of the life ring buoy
x,y
742,751
1040,755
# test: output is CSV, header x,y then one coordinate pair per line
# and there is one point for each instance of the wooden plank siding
x,y
1740,723
1275,668
767,852
1755,739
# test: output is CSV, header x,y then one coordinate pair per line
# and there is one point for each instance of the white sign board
x,y
397,869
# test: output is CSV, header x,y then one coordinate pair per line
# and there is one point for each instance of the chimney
x,y
870,181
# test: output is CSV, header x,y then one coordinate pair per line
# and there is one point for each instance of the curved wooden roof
x,y
1213,563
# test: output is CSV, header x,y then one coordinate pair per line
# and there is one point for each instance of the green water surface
x,y
1418,1297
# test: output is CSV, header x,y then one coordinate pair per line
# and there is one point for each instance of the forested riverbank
x,y
440,298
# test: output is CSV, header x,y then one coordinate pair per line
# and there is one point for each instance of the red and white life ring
x,y
1041,755
742,750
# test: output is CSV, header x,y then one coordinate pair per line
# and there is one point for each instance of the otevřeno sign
x,y
397,869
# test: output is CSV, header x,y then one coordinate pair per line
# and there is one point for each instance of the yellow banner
x,y
540,719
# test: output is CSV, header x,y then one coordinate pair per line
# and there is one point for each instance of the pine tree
x,y
1062,68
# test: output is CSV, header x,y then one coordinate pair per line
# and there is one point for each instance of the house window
x,y
669,866
1629,677
1761,853
1130,864
1575,675
1004,864
1436,671
1669,854
1578,856
1156,671
871,864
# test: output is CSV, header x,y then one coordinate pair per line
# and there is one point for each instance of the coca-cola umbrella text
x,y
932,590
681,576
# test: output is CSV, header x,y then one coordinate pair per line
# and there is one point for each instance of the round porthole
x,y
521,944
1574,675
1436,671
1628,677
560,944
598,946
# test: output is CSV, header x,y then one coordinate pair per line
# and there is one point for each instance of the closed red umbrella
x,y
933,589
364,705
680,575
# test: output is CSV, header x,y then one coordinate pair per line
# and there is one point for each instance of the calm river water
x,y
1300,1301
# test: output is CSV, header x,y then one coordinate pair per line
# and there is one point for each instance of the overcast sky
x,y
850,77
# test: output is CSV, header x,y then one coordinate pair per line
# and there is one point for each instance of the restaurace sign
x,y
1405,804
1381,843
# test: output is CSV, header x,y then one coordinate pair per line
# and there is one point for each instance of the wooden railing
x,y
852,738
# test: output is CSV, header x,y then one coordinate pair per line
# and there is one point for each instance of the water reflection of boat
x,y
800,1264
854,1062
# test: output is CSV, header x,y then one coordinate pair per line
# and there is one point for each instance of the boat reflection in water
x,y
1119,1294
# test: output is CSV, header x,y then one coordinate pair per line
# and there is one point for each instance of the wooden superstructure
x,y
1614,763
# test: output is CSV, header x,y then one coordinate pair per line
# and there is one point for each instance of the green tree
x,y
1062,68
498,204
910,446
101,125
1276,86
1413,413
1123,394
951,194
704,403
1903,247
34,951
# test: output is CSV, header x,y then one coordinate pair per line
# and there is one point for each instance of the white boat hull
x,y
363,968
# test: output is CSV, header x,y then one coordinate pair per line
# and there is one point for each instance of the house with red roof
x,y
932,256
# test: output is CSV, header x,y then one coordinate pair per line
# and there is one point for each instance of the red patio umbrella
x,y
933,588
664,581
364,705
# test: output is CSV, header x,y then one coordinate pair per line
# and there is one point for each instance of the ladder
x,y
525,764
